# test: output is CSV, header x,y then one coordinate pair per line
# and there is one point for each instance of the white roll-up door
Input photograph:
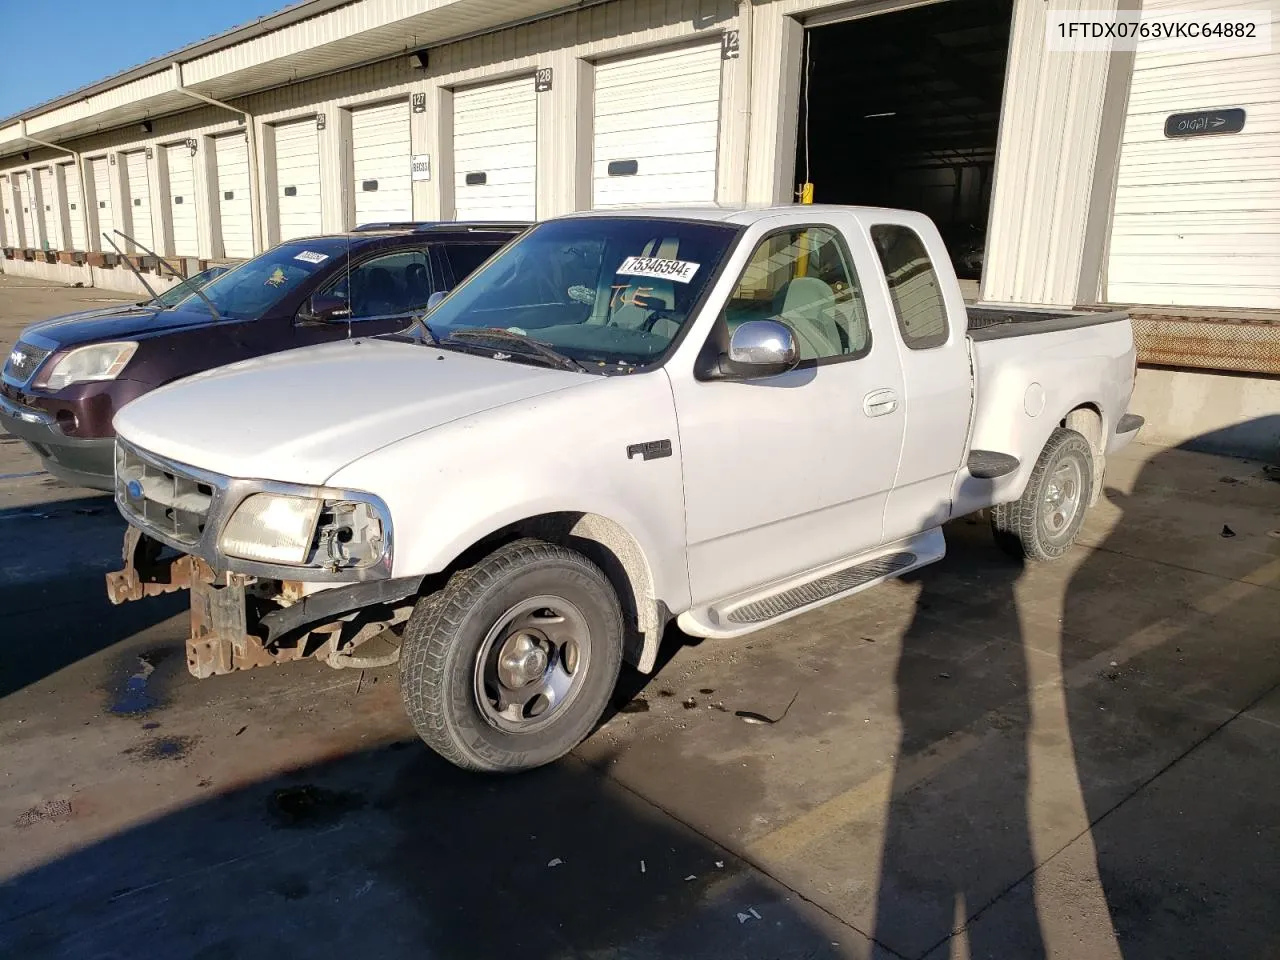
x,y
495,151
75,205
1197,219
102,203
30,216
298,178
381,163
183,209
234,213
49,210
139,197
12,219
657,127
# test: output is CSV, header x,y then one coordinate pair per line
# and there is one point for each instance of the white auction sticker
x,y
309,256
679,270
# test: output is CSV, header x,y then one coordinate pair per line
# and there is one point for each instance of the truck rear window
x,y
913,286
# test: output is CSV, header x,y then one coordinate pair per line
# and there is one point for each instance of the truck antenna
x,y
183,281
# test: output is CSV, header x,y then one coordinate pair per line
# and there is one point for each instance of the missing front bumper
x,y
240,622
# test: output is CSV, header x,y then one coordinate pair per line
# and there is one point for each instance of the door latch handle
x,y
879,402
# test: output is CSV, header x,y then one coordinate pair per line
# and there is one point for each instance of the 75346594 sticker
x,y
681,271
310,256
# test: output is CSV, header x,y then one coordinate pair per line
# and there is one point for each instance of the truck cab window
x,y
804,278
389,286
913,286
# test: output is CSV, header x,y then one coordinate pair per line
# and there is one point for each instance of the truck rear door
x,y
938,383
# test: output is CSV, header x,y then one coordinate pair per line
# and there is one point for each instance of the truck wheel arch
x,y
611,547
1086,420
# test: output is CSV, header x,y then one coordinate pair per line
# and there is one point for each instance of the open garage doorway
x,y
902,109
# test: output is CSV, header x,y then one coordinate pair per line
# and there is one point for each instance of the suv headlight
x,y
97,361
304,531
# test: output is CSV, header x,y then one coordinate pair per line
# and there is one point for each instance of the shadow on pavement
x,y
394,853
52,584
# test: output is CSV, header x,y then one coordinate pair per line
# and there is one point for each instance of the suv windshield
x,y
176,295
612,291
248,290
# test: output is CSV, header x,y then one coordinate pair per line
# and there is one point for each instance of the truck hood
x,y
121,322
301,415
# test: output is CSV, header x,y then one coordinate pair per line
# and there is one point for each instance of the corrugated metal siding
x,y
1043,178
1197,220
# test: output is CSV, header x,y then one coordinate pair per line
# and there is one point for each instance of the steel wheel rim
x,y
532,664
1062,497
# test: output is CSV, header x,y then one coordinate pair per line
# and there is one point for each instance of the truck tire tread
x,y
1015,524
434,628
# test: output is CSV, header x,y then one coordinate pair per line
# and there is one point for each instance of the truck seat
x,y
804,304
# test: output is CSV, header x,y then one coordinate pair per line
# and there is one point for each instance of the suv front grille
x,y
162,498
23,361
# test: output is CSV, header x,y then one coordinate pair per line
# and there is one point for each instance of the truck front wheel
x,y
511,663
1043,523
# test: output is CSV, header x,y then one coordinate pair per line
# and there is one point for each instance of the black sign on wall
x,y
1203,123
542,80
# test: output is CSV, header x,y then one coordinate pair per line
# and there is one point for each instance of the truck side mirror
x,y
434,300
758,348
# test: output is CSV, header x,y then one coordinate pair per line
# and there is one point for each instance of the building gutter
x,y
251,133
84,207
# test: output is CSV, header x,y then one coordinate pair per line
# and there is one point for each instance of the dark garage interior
x,y
903,110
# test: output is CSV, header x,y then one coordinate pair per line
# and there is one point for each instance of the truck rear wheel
x,y
511,664
1044,522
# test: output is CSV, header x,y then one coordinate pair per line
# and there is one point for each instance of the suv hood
x,y
126,321
301,415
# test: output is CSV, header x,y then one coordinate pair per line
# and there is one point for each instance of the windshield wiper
x,y
536,347
421,320
184,281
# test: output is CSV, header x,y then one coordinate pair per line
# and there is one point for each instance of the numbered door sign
x,y
542,80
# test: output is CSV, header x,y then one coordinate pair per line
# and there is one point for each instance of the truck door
x,y
786,473
938,397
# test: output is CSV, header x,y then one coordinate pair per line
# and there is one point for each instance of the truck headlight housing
x,y
271,528
305,531
97,361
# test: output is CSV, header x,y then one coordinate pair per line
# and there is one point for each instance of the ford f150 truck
x,y
722,417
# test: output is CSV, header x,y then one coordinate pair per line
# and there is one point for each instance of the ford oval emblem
x,y
134,489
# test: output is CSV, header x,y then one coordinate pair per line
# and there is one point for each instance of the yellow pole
x,y
802,264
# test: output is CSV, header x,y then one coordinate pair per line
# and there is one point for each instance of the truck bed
x,y
996,323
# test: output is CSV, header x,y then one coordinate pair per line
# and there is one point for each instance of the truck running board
x,y
745,613
988,464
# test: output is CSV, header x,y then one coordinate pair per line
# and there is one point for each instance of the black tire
x,y
449,630
1025,528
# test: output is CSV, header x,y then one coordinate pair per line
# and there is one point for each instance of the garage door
x,y
139,198
49,211
182,200
380,155
234,214
495,147
298,178
12,230
1197,219
102,203
30,216
657,126
75,204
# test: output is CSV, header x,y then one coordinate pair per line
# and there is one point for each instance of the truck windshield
x,y
253,287
603,291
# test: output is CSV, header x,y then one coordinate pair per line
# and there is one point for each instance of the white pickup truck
x,y
722,417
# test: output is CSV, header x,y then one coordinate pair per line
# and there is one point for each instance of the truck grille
x,y
23,361
161,498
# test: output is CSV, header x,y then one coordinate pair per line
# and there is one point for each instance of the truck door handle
x,y
879,402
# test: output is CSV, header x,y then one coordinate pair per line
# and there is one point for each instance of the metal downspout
x,y
746,50
84,207
251,134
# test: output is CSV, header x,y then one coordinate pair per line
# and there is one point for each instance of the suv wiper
x,y
535,347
